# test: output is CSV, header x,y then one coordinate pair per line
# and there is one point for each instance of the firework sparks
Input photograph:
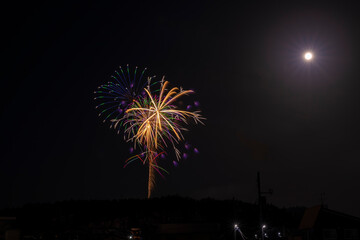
x,y
149,119
155,122
118,95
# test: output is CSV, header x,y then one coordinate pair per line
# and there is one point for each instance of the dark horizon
x,y
267,110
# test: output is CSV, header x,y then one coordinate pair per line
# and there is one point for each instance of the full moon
x,y
308,56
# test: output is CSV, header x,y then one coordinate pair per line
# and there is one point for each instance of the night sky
x,y
267,110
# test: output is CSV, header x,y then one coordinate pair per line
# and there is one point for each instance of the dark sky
x,y
266,109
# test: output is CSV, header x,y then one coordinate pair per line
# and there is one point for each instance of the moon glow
x,y
308,56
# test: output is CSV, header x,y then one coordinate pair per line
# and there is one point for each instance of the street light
x,y
236,227
262,231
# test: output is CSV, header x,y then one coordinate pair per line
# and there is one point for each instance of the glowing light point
x,y
308,56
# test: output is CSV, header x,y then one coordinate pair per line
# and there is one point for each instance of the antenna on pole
x,y
322,200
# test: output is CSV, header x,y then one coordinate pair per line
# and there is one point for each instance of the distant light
x,y
308,56
235,226
264,226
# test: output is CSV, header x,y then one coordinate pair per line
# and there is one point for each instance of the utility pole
x,y
261,200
